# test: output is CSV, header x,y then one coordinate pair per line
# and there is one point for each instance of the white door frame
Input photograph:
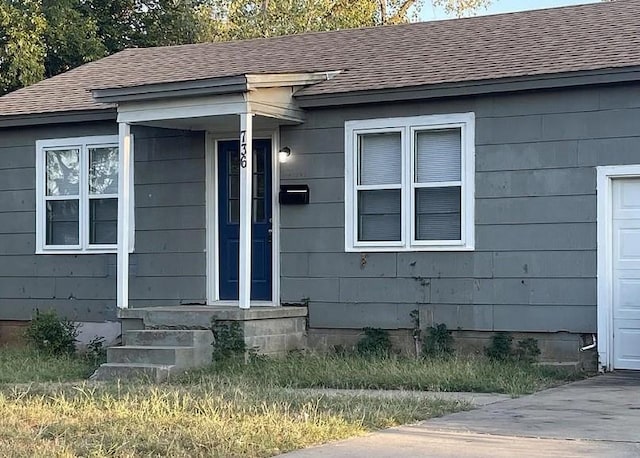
x,y
212,229
606,175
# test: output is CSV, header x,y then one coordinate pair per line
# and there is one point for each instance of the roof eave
x,y
58,117
472,88
213,86
226,85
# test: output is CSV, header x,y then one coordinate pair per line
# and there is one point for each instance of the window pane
x,y
103,170
379,215
62,222
103,221
234,211
438,213
379,158
62,172
438,155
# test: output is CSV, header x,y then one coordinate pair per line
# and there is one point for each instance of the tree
x,y
22,52
238,19
71,36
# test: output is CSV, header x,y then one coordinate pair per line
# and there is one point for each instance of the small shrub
x,y
500,347
50,334
374,342
439,342
228,340
96,351
527,350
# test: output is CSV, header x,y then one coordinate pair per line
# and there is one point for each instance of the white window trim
x,y
408,126
82,143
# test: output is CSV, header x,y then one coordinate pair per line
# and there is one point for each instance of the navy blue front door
x,y
229,219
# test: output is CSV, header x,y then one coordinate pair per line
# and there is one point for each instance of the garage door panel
x,y
627,341
626,295
626,273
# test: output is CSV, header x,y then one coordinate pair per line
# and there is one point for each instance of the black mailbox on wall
x,y
294,194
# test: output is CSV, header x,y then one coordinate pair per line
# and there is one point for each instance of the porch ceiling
x,y
223,124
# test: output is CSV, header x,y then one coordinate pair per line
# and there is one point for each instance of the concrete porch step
x,y
183,357
170,338
134,371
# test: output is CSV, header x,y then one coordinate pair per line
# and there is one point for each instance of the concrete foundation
x,y
267,330
560,347
12,333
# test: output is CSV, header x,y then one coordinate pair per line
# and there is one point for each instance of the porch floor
x,y
201,316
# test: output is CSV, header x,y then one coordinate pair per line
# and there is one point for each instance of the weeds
x,y
50,334
438,343
28,365
375,342
355,372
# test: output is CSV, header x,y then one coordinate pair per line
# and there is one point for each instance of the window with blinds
x,y
437,184
409,183
379,187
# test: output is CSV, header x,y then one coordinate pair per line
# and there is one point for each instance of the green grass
x,y
27,366
353,372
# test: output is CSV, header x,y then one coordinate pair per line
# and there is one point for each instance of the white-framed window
x,y
77,195
409,183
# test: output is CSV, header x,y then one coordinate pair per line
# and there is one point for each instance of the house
x,y
484,171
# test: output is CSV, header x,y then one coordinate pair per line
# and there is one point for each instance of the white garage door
x,y
626,273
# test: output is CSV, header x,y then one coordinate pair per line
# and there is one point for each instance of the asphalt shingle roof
x,y
557,40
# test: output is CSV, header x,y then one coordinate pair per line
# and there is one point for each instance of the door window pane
x,y
380,159
379,215
438,155
234,211
62,222
438,213
103,170
103,221
62,172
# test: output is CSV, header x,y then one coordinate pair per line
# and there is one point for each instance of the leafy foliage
x,y
228,340
53,335
374,342
527,350
96,351
500,347
438,342
22,52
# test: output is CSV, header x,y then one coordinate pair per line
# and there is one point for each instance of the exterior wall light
x,y
284,154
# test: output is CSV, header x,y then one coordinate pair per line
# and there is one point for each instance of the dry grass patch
x,y
221,418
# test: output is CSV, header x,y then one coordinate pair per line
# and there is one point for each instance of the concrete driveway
x,y
598,417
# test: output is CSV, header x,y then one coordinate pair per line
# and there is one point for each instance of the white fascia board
x,y
192,107
276,102
257,81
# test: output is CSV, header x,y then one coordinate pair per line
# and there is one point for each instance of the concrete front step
x,y
134,371
171,338
169,355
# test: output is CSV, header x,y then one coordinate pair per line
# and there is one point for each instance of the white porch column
x,y
124,214
246,200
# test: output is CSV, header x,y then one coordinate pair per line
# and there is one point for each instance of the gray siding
x,y
534,267
168,264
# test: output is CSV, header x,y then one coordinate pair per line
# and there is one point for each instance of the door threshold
x,y
232,303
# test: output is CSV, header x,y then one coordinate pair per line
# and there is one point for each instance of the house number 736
x,y
243,149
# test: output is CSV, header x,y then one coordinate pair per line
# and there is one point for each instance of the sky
x,y
430,13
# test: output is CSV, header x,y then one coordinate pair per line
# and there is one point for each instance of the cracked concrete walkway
x,y
598,417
